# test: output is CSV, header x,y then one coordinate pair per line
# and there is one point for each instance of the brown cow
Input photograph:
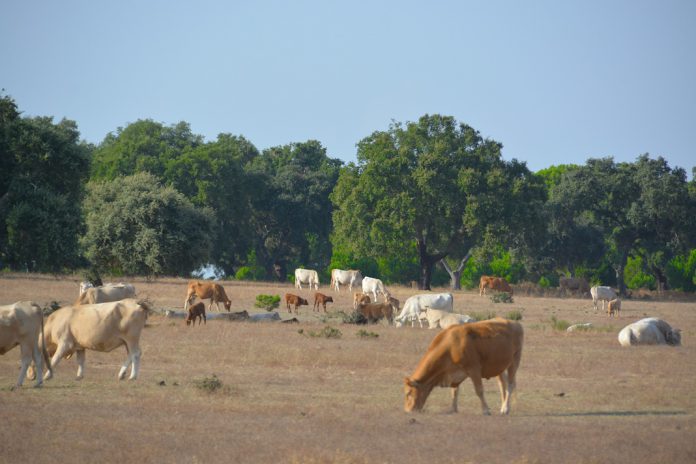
x,y
196,311
321,299
614,307
295,300
494,283
373,312
360,298
205,290
478,350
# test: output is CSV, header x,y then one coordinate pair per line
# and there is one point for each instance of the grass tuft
x,y
362,333
208,384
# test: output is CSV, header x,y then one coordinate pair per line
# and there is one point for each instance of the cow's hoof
x,y
38,385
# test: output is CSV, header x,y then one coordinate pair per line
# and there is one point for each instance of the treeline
x,y
428,201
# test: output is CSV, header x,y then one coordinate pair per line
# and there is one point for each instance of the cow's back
x,y
18,321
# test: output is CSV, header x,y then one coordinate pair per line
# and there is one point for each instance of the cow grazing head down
x,y
415,395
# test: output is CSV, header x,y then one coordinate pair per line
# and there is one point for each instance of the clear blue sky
x,y
553,81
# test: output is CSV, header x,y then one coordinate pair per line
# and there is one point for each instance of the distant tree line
x,y
429,201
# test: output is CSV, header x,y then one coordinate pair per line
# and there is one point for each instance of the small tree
x,y
267,302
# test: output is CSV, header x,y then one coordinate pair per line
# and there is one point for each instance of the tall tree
x,y
435,183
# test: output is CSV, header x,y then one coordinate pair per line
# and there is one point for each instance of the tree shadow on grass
x,y
617,413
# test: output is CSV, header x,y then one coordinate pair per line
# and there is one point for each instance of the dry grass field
x,y
285,396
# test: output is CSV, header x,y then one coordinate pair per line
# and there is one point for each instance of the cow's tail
x,y
47,359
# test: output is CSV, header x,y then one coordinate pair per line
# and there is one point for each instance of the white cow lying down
x,y
439,318
414,308
649,331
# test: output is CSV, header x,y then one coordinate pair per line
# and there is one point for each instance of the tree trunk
x,y
456,274
427,262
619,269
660,279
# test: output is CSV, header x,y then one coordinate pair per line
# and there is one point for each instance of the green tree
x,y
43,167
436,184
135,226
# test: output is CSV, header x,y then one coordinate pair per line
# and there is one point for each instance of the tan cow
x,y
99,327
205,290
21,323
360,298
373,312
106,293
494,283
295,300
478,350
321,299
614,307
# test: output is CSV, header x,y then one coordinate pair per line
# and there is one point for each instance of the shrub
x,y
352,318
326,332
514,315
208,384
559,325
267,302
483,317
362,333
501,297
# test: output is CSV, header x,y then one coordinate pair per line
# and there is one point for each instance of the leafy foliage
x,y
267,302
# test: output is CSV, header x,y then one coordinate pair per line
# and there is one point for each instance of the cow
x,y
601,293
321,299
649,331
295,300
477,350
396,304
205,290
99,327
373,312
374,286
494,283
106,293
574,284
306,276
415,306
84,286
196,311
21,323
358,298
614,307
339,277
444,319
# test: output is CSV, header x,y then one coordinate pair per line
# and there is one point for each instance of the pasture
x,y
264,392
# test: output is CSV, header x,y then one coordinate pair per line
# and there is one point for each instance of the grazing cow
x,y
444,319
358,298
99,327
295,300
494,283
649,331
415,306
106,293
373,312
478,350
196,311
396,304
374,286
321,299
21,323
205,290
308,277
614,307
574,284
339,277
601,293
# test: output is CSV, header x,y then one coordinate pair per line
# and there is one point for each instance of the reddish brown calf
x,y
321,299
294,300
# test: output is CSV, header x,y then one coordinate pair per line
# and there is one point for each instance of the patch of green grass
x,y
514,315
559,324
501,297
208,384
362,333
483,317
326,332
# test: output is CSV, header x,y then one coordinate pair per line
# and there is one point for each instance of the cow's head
x,y
228,305
415,394
674,337
329,299
303,302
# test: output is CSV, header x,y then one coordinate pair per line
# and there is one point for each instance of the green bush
x,y
501,297
362,333
267,302
635,275
514,315
482,317
208,384
559,325
326,332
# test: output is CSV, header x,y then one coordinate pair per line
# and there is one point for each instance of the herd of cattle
x,y
106,317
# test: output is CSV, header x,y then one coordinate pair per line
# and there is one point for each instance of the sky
x,y
554,81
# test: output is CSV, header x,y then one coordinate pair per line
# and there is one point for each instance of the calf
x,y
321,299
196,311
396,304
294,300
373,312
360,298
614,307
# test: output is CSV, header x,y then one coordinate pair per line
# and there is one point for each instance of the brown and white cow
x,y
321,299
478,350
98,327
106,293
21,323
494,283
205,290
196,311
295,300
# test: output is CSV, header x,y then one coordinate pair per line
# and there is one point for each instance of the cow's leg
x,y
80,358
135,356
25,361
38,362
504,393
478,387
455,398
57,356
129,360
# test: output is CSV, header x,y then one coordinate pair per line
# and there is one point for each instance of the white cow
x,y
350,277
84,286
306,276
649,331
415,306
601,293
374,286
21,324
99,327
106,293
439,318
